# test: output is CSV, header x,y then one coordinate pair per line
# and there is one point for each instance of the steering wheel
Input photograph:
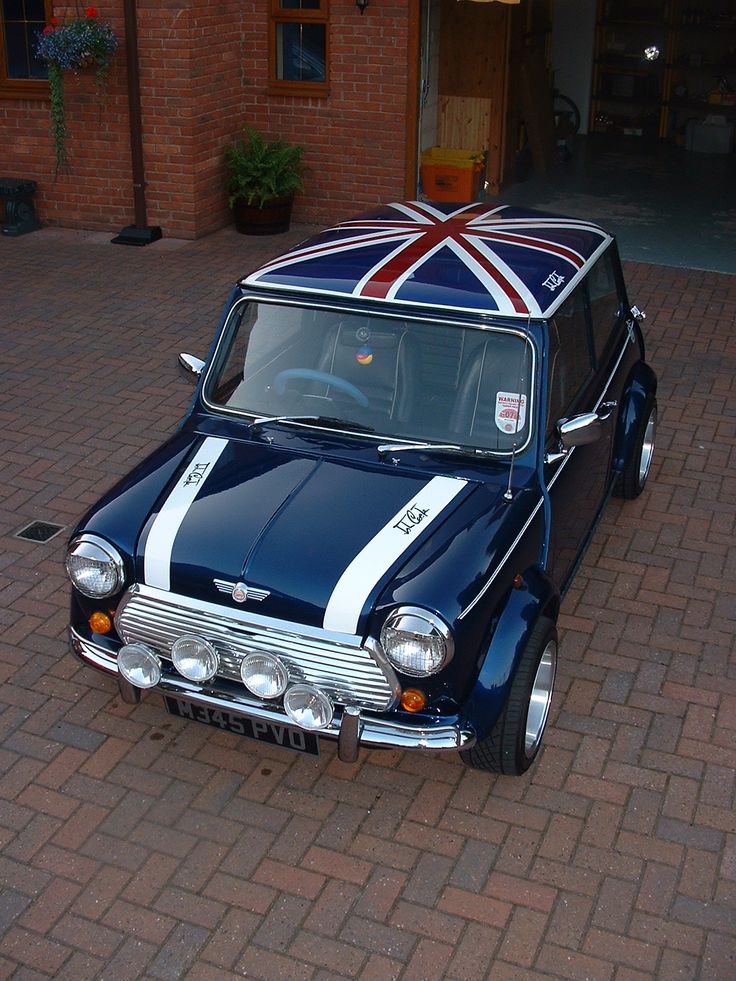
x,y
320,376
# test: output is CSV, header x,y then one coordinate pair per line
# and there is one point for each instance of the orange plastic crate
x,y
451,175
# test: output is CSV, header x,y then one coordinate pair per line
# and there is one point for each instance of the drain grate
x,y
39,531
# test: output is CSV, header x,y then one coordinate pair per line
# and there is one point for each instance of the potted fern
x,y
263,176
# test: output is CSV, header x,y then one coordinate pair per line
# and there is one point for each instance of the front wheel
x,y
633,477
516,738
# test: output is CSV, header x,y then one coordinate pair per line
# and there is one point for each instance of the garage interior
x,y
654,84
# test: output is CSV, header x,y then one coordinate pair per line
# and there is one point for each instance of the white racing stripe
x,y
372,562
160,542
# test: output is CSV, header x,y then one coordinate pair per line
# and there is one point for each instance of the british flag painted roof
x,y
480,258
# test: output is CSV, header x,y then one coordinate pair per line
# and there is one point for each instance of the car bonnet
x,y
290,536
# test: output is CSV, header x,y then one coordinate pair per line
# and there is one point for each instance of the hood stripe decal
x,y
160,542
370,564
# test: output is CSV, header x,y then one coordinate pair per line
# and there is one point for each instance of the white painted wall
x,y
573,41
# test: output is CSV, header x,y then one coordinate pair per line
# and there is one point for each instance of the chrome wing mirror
x,y
190,367
576,431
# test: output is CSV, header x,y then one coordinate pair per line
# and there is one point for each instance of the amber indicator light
x,y
518,581
100,623
413,700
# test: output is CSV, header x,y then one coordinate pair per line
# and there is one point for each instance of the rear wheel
x,y
515,739
633,478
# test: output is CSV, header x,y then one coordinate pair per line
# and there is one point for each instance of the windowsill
x,y
10,89
300,90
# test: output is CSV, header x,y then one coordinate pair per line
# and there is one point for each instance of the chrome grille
x,y
348,673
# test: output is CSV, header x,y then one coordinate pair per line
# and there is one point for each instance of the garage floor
x,y
134,845
664,204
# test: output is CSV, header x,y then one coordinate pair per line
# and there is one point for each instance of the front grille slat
x,y
348,673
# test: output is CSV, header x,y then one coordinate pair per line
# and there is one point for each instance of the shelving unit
x,y
662,68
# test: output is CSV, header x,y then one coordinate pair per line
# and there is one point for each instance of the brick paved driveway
x,y
135,846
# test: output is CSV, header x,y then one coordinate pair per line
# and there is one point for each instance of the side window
x,y
22,75
298,47
605,303
570,362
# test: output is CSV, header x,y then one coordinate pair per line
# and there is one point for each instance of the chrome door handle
x,y
605,409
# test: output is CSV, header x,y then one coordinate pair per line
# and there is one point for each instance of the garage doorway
x,y
464,52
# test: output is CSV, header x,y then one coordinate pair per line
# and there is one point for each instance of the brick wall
x,y
204,75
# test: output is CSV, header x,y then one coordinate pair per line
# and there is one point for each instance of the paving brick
x,y
196,854
424,922
335,903
378,939
86,935
522,937
336,864
235,892
429,961
475,953
34,951
572,965
178,953
482,909
342,958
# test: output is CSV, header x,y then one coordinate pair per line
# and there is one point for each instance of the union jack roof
x,y
479,258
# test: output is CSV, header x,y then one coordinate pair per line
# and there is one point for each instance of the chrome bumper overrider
x,y
370,732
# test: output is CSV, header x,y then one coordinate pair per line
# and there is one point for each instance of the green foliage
x,y
78,44
58,121
260,171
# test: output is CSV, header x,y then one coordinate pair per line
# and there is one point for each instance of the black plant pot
x,y
274,217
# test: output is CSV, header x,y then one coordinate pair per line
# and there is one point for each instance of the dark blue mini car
x,y
400,444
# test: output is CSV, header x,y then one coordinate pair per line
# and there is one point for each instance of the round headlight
x,y
308,707
264,675
140,665
416,642
195,658
94,567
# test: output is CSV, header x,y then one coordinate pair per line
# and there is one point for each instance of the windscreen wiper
x,y
329,421
386,448
264,420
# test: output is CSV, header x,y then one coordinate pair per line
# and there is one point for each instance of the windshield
x,y
398,379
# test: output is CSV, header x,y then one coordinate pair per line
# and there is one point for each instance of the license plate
x,y
241,725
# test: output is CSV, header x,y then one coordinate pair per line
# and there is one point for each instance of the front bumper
x,y
350,729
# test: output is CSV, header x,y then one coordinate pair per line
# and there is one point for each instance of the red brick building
x,y
205,71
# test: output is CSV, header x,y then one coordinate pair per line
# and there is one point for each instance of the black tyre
x,y
514,741
633,478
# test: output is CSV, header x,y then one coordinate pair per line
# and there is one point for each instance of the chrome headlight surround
x,y
416,642
94,566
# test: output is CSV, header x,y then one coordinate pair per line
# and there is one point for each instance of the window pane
x,y
22,21
379,379
300,51
570,357
300,4
605,303
13,10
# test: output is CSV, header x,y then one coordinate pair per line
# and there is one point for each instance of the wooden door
x,y
474,40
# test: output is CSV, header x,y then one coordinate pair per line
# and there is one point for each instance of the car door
x,y
577,482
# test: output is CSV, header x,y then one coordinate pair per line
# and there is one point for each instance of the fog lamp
x,y
195,658
264,675
308,707
140,665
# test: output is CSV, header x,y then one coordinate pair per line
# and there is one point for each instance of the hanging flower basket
x,y
80,43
